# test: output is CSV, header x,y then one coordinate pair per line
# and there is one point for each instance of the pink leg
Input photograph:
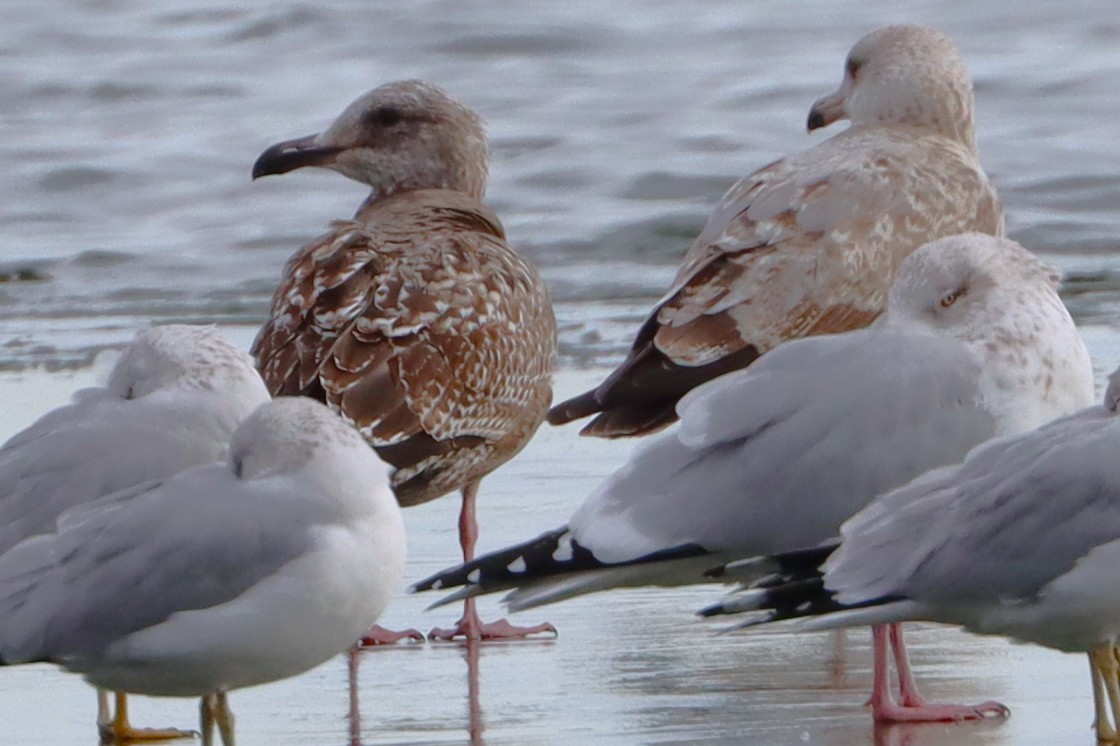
x,y
881,700
469,625
913,707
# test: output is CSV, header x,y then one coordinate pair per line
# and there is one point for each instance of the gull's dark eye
x,y
385,116
853,67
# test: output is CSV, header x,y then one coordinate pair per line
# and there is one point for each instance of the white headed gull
x,y
811,243
1022,539
234,573
173,399
974,343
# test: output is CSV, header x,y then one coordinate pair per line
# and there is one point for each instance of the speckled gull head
x,y
183,357
1002,301
909,75
970,280
401,136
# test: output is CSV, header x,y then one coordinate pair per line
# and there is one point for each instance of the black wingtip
x,y
497,569
552,553
804,562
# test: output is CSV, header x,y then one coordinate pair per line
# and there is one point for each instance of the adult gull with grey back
x,y
1022,539
172,401
974,343
245,570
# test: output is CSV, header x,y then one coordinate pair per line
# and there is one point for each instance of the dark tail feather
x,y
795,588
784,585
784,601
575,408
800,564
614,422
626,422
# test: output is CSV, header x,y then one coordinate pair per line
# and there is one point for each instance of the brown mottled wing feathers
x,y
438,344
807,245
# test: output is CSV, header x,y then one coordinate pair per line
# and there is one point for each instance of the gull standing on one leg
x,y
415,321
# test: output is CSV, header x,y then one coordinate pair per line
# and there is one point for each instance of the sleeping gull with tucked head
x,y
249,569
810,243
1022,539
415,321
974,343
173,399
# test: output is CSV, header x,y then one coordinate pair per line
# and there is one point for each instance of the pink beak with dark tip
x,y
826,111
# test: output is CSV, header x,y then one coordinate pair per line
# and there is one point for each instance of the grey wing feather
x,y
85,405
1019,513
132,559
59,466
764,458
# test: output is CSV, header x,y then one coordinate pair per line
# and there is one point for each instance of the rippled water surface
x,y
127,130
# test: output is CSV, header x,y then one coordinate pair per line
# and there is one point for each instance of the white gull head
x,y
1002,301
180,357
294,433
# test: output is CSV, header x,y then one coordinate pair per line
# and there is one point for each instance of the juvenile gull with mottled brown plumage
x,y
415,320
809,244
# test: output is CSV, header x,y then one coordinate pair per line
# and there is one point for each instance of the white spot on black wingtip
x,y
474,575
437,585
803,607
518,565
563,551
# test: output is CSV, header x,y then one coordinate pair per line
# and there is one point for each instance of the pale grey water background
x,y
127,129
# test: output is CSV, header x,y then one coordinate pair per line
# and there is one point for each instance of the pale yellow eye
x,y
950,299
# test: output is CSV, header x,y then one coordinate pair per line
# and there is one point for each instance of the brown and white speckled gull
x,y
810,243
416,321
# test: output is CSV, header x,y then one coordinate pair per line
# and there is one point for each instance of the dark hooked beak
x,y
825,111
292,154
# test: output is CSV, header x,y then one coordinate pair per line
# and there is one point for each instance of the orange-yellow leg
x,y
117,729
215,710
470,626
1105,669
